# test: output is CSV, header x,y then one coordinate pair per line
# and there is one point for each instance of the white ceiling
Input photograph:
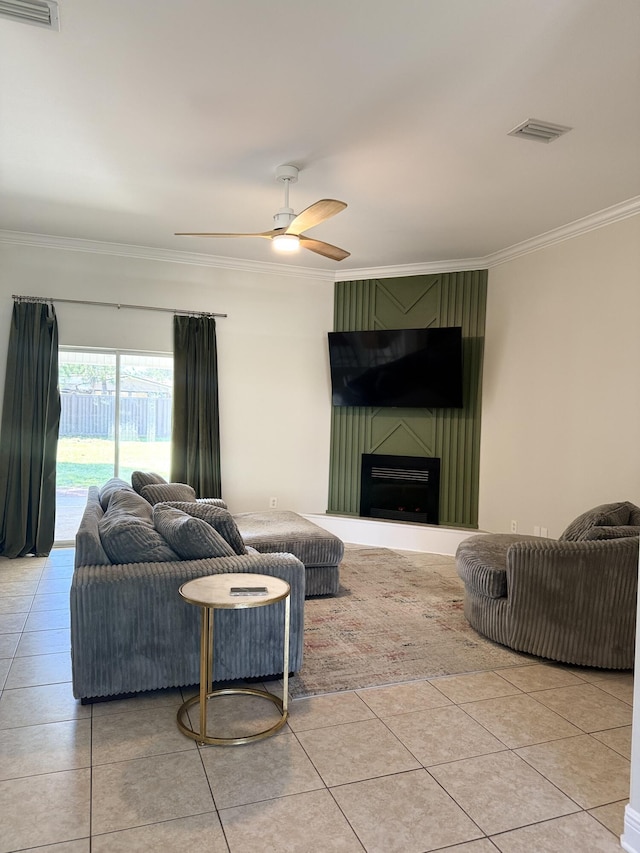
x,y
144,117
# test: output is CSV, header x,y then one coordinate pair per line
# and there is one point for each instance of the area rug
x,y
397,617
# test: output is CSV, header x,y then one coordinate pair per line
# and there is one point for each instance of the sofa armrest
x,y
561,591
481,562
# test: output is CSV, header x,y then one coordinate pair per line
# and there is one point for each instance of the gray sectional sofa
x,y
572,599
131,631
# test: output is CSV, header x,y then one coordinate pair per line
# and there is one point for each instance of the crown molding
x,y
609,215
97,247
428,268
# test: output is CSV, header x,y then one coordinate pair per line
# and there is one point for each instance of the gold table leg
x,y
207,692
285,669
206,665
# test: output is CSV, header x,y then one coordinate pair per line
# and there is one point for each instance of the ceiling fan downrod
x,y
285,216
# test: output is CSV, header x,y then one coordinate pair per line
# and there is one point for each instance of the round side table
x,y
212,593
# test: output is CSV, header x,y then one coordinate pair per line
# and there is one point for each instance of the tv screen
x,y
414,368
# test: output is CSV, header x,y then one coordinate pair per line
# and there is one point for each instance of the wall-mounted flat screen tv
x,y
413,368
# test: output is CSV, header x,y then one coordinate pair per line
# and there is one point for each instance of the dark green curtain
x,y
29,432
195,449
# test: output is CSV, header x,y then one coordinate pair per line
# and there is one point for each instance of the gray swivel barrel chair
x,y
571,600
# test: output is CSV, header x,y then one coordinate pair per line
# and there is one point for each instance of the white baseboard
x,y
388,534
630,839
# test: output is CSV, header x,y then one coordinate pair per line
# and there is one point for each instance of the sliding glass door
x,y
115,419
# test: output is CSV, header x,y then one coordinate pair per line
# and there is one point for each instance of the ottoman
x,y
281,531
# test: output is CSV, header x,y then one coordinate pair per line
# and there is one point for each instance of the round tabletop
x,y
216,590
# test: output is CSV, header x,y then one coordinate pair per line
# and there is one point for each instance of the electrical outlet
x,y
544,531
273,503
514,526
536,530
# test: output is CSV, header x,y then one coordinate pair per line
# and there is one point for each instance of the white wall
x,y
561,399
275,399
561,395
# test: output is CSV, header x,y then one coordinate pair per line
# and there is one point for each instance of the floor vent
x,y
41,13
539,131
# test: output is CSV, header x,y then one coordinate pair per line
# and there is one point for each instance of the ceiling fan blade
x,y
325,249
198,234
315,214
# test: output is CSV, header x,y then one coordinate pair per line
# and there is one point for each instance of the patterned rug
x,y
397,617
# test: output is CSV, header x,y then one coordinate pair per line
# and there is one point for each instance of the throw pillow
x,y
127,532
191,538
89,550
139,479
115,484
163,492
605,515
220,519
617,531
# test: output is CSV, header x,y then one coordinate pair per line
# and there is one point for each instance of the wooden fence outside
x,y
93,416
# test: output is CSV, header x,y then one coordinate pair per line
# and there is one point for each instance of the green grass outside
x,y
86,462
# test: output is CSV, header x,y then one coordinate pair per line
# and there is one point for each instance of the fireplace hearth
x,y
400,488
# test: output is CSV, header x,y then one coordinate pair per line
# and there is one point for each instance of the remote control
x,y
248,590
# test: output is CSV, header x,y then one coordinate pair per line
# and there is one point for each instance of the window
x,y
115,419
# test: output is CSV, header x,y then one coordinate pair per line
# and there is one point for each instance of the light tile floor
x,y
533,757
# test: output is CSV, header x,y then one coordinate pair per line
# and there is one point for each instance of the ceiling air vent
x,y
539,131
42,13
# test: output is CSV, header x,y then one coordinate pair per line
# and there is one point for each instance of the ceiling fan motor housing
x,y
284,217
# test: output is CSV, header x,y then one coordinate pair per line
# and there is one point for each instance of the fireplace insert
x,y
400,488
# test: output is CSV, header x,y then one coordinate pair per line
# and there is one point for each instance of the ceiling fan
x,y
287,236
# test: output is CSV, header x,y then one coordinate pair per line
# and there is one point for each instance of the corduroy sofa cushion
x,y
191,538
127,532
220,519
622,513
115,484
89,550
163,492
618,531
140,479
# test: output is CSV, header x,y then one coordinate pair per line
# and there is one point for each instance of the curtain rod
x,y
118,305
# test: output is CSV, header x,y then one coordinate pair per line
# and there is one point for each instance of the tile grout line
x,y
21,634
376,715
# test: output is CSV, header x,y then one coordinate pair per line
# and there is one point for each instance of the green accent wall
x,y
453,435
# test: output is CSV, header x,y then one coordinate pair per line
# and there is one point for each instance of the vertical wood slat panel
x,y
349,427
461,305
443,445
347,447
456,433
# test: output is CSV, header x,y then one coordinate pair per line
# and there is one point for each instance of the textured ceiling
x,y
143,118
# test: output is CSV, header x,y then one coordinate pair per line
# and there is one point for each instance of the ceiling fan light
x,y
286,242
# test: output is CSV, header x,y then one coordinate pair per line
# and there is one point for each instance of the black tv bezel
x,y
452,398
